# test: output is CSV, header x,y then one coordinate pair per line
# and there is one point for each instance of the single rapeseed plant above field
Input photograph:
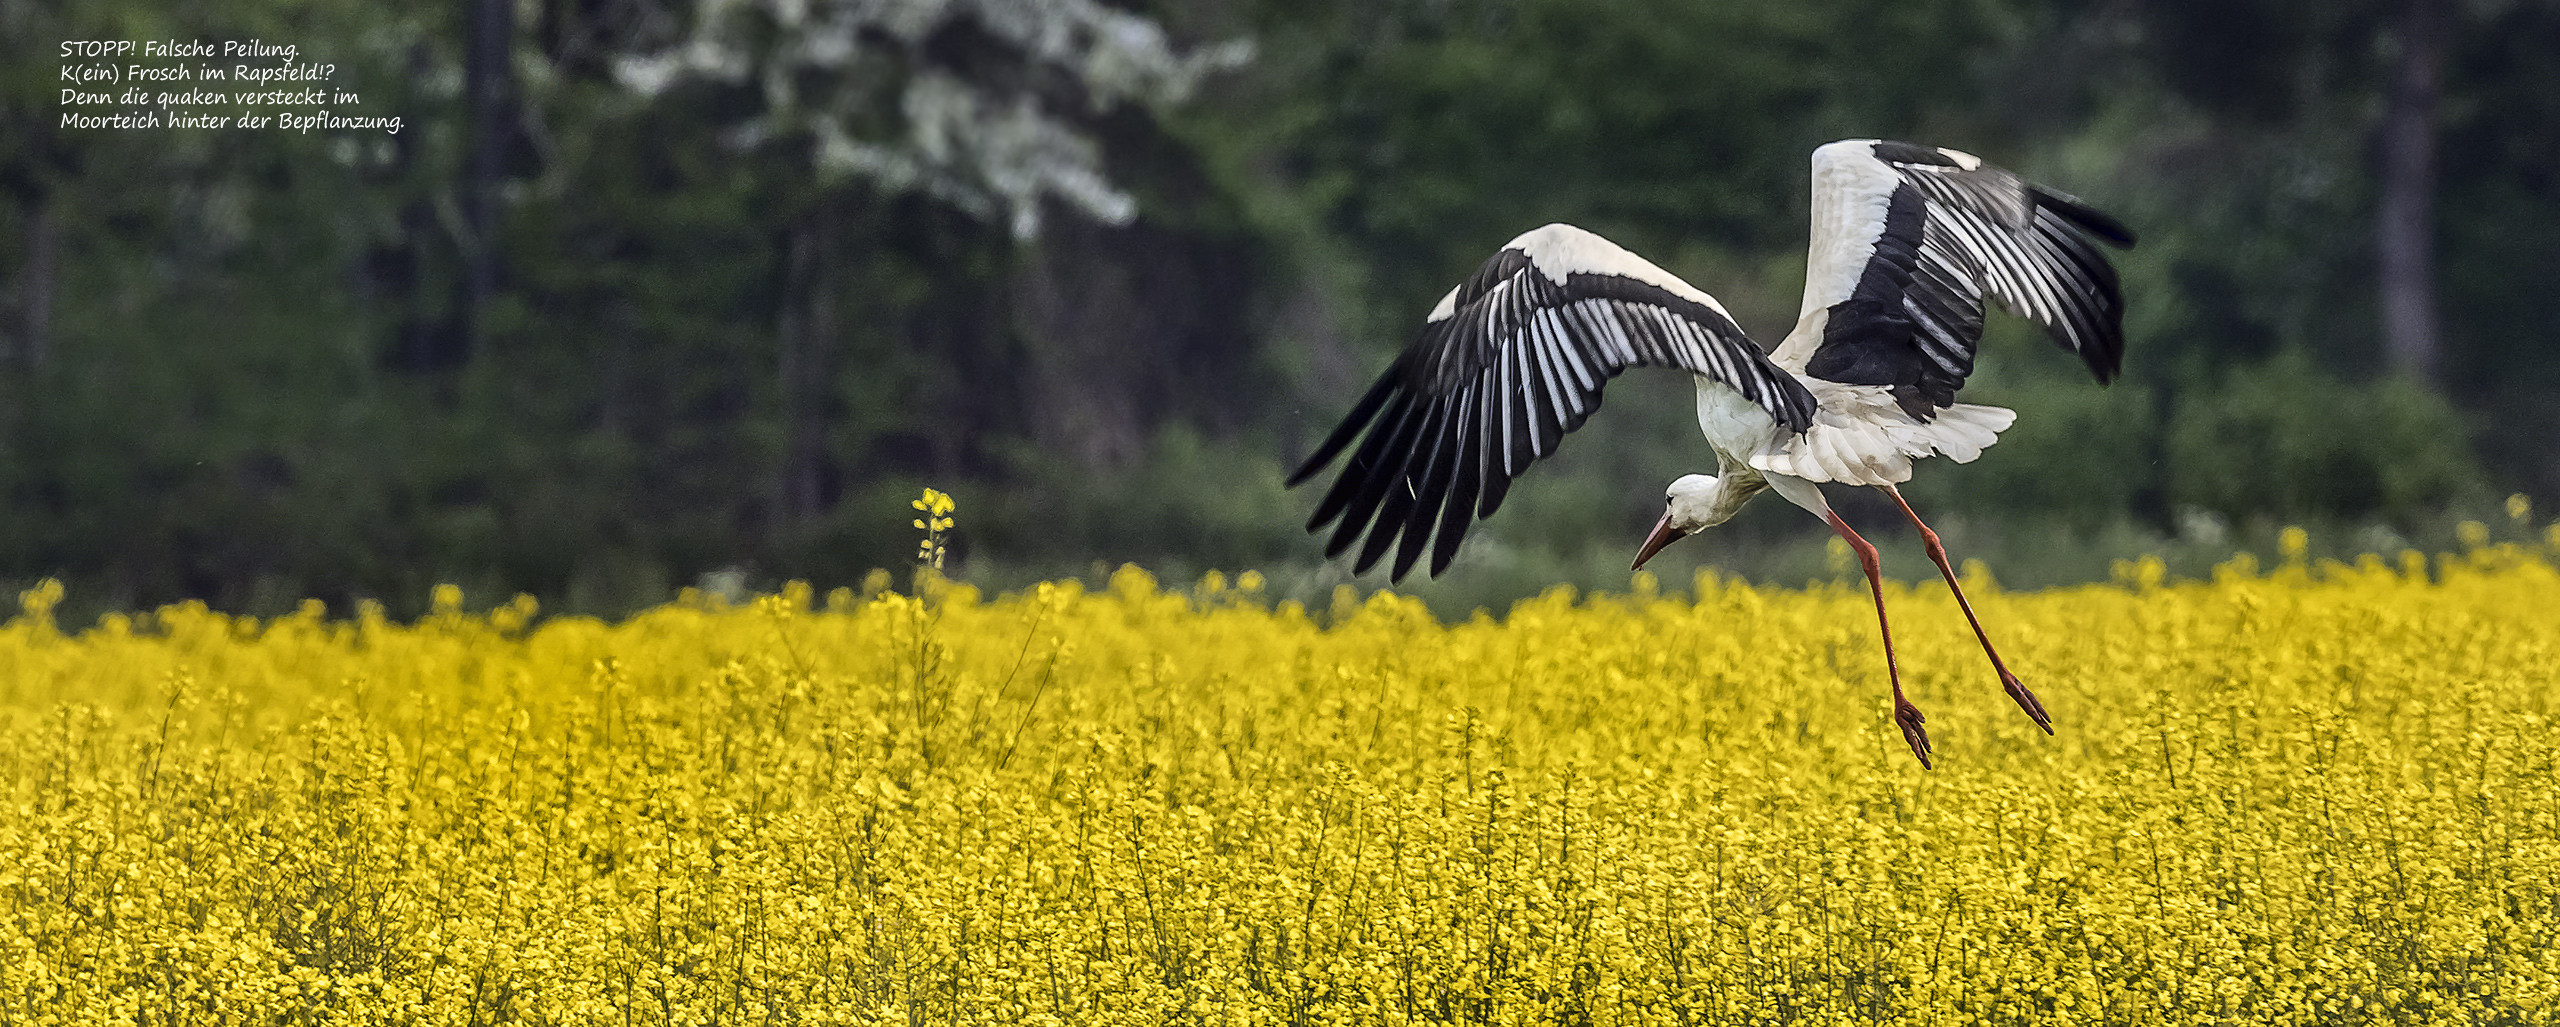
x,y
929,691
936,524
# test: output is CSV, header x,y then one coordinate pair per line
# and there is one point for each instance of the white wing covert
x,y
1909,240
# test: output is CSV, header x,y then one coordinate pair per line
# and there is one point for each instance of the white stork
x,y
1908,241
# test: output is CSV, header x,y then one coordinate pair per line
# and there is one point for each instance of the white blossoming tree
x,y
869,86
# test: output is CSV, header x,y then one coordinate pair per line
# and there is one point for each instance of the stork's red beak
x,y
1663,534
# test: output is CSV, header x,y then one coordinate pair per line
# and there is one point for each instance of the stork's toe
x,y
2026,700
1910,718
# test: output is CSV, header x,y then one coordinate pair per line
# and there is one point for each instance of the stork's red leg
x,y
1904,714
1938,553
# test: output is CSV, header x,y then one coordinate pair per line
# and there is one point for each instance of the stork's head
x,y
1693,503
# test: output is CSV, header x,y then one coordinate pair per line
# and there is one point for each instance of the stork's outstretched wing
x,y
1506,365
1907,242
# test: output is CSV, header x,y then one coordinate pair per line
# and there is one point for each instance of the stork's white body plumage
x,y
1908,242
1859,436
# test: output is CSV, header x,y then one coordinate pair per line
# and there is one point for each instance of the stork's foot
x,y
1910,718
2026,700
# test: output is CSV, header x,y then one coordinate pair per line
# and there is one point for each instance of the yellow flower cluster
x,y
936,506
2312,794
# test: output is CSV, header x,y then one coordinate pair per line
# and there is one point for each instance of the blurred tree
x,y
490,109
1422,133
950,97
2423,127
746,270
2287,439
984,104
2405,219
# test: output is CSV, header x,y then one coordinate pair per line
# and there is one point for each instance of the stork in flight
x,y
1908,242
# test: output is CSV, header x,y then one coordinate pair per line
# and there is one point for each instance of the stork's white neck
x,y
1698,501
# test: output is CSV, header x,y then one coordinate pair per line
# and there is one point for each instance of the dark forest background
x,y
651,293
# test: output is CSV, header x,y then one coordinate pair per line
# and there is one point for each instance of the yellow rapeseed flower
x,y
2317,794
936,522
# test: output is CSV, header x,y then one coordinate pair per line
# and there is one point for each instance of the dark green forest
x,y
649,294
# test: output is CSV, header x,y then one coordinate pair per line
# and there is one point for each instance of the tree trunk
x,y
36,288
485,92
1095,351
805,334
2405,224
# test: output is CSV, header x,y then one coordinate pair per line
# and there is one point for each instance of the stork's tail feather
x,y
1879,451
1961,432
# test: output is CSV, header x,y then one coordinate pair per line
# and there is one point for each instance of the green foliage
x,y
254,379
2286,439
1423,134
2079,454
1191,504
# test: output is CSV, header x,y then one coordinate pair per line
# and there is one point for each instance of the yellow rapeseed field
x,y
2309,794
